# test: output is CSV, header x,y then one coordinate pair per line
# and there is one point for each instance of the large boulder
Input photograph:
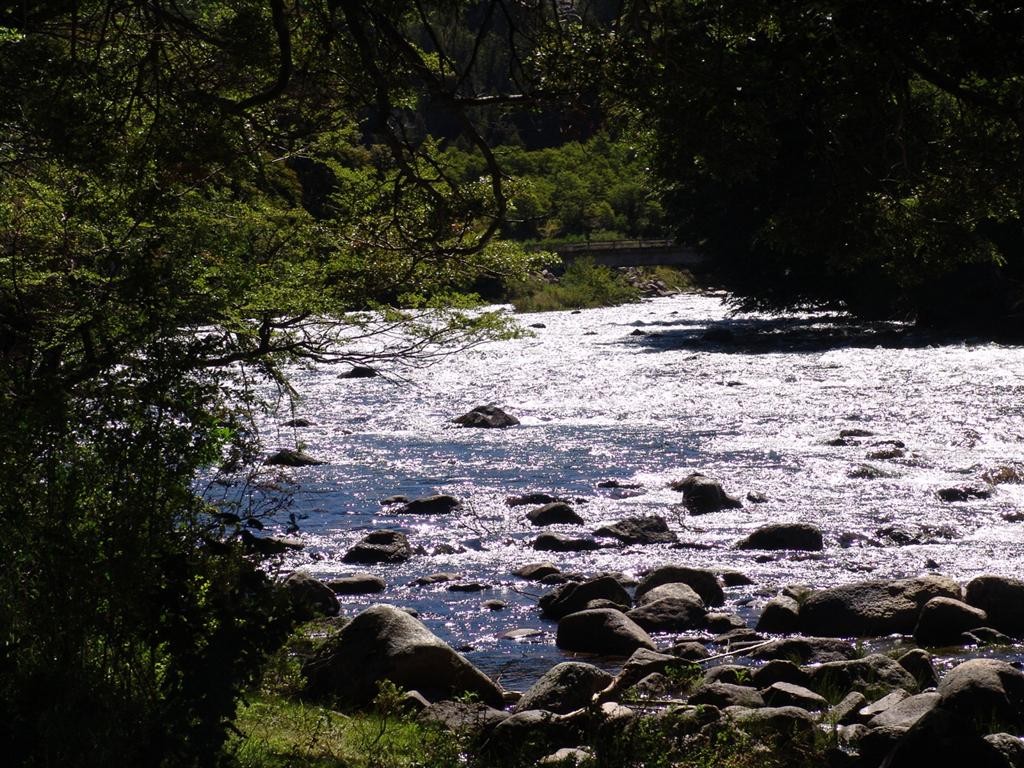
x,y
988,692
872,608
1002,598
603,631
310,596
565,687
943,739
807,650
704,582
380,547
439,504
872,674
801,536
781,615
574,596
488,417
944,620
906,712
386,643
670,614
639,530
555,513
702,495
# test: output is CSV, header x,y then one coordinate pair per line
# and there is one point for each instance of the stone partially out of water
x,y
704,582
602,630
554,513
576,596
380,547
357,584
943,621
487,416
702,495
1002,598
801,536
553,542
291,457
565,687
639,530
964,493
309,595
385,643
359,372
440,504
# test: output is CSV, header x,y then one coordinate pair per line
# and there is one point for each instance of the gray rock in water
x,y
359,372
380,547
357,584
673,589
554,542
781,615
565,687
964,493
1002,598
575,596
385,643
704,582
290,457
918,662
670,614
702,495
943,621
780,671
555,513
536,571
872,608
802,536
488,417
639,530
807,650
987,692
440,504
603,631
309,595
532,499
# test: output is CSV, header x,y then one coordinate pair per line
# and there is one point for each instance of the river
x,y
645,394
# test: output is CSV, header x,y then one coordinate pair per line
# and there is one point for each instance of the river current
x,y
646,394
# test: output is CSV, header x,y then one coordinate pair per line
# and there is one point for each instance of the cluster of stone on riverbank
x,y
801,681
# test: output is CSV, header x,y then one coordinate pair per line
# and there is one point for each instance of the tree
x,y
193,193
841,153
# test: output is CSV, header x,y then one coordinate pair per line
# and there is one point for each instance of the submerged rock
x,y
488,417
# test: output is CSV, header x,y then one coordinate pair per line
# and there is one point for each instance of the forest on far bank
x,y
196,194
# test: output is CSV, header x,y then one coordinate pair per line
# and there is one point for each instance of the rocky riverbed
x,y
873,452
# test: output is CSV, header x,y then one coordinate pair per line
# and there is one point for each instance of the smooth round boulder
x,y
807,650
989,692
1002,598
724,695
801,536
536,571
918,662
781,615
555,513
670,614
704,582
603,631
873,674
872,608
380,547
386,643
565,687
944,620
782,694
487,417
942,739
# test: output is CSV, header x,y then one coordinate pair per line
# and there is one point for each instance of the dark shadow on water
x,y
812,334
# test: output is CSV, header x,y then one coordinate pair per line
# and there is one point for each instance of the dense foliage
x,y
192,193
861,154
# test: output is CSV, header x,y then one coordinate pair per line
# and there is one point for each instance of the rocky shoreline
x,y
796,676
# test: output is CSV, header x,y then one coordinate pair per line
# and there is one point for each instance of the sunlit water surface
x,y
598,401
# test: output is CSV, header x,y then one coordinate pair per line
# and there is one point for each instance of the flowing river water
x,y
646,394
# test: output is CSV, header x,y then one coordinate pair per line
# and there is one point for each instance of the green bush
x,y
584,285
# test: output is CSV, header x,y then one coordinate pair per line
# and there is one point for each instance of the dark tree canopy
x,y
867,155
